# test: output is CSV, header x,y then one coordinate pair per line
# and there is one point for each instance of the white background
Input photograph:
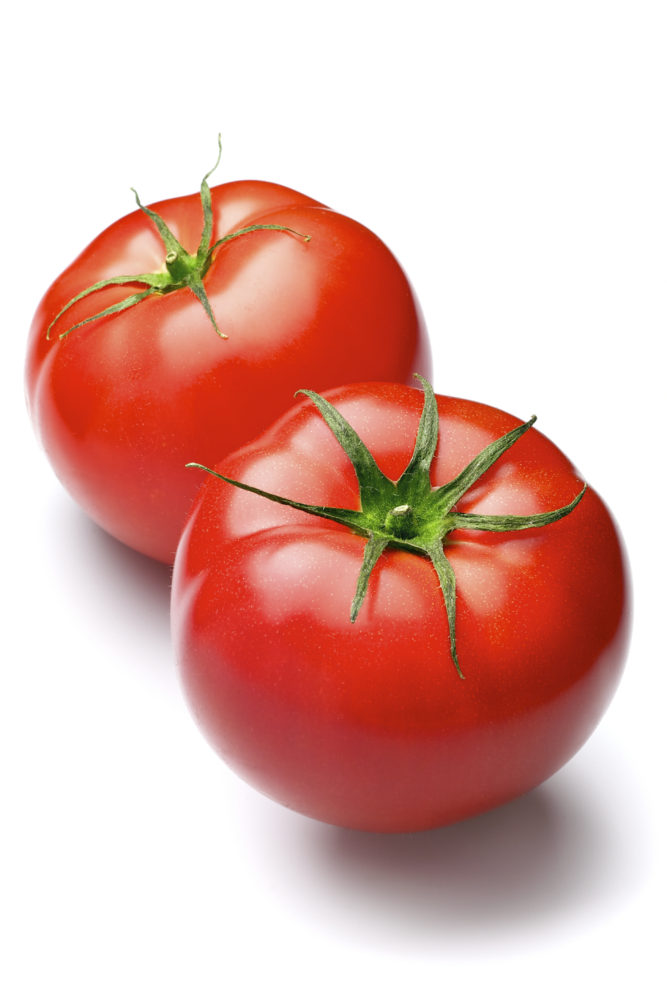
x,y
513,156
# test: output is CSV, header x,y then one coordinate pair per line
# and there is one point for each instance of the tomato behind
x,y
124,402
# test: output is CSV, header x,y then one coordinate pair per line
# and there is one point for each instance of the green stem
x,y
181,267
400,521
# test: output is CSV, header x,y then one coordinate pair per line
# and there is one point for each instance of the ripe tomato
x,y
368,724
123,402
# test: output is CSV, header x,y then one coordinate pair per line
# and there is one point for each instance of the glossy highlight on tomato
x,y
121,403
367,724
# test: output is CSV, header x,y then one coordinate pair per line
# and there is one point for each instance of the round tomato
x,y
394,678
282,291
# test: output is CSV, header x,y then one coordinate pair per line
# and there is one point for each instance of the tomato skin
x,y
368,725
123,403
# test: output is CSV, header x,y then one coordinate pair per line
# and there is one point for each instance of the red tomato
x,y
122,403
367,724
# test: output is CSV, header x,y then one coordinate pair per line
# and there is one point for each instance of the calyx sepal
x,y
410,513
181,270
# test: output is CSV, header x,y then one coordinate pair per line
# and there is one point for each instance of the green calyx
x,y
181,269
411,514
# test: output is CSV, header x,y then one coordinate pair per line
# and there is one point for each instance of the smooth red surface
x,y
367,725
121,405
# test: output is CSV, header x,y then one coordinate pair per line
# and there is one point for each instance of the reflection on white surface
x,y
558,853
